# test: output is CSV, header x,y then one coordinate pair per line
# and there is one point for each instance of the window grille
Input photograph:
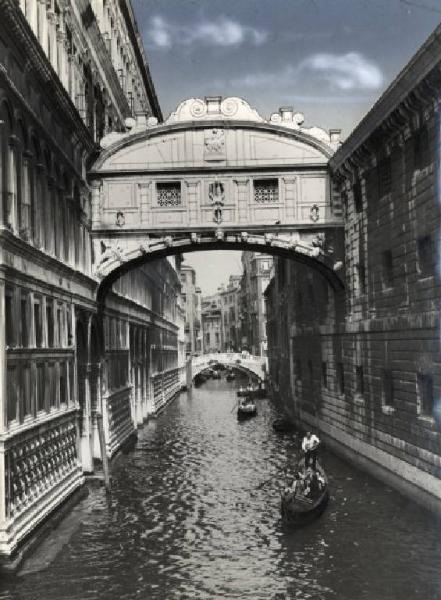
x,y
325,374
358,196
340,378
425,395
359,380
425,253
387,270
384,177
266,191
168,194
387,388
421,151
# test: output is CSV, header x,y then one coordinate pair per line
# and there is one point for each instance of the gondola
x,y
245,411
199,379
259,392
303,509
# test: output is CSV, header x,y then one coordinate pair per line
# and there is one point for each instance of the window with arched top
x,y
49,201
38,194
24,168
5,132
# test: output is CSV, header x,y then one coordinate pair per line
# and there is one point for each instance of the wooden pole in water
x,y
99,420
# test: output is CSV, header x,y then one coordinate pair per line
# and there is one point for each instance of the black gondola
x,y
259,392
246,410
199,379
304,508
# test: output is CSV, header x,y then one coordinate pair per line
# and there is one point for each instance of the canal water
x,y
194,513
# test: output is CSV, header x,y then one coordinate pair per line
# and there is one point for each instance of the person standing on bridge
x,y
310,444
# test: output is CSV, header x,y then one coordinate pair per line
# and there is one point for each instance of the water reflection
x,y
194,513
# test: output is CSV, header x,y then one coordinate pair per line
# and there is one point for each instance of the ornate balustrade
x,y
41,468
117,419
165,386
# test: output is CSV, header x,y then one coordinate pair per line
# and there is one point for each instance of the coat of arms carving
x,y
214,144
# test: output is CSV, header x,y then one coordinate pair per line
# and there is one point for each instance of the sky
x,y
329,59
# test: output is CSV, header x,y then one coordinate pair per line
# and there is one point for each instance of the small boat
x,y
199,379
308,504
215,374
255,392
246,410
230,376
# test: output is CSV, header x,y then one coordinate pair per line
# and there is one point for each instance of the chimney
x,y
213,104
286,112
334,135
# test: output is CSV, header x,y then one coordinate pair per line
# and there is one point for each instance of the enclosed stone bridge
x,y
216,175
243,361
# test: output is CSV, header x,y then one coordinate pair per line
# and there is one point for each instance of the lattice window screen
x,y
266,191
168,194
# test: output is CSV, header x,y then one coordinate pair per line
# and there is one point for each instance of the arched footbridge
x,y
253,365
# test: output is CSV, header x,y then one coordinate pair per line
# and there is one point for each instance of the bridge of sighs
x,y
216,175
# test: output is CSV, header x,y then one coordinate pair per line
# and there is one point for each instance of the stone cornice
x,y
10,242
161,130
138,47
16,23
89,23
411,90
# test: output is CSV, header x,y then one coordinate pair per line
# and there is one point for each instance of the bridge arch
x,y
243,361
119,262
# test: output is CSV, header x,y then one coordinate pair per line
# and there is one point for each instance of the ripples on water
x,y
191,517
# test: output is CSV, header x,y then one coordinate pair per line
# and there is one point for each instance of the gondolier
x,y
310,444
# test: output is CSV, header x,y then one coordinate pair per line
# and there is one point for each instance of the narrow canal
x,y
190,516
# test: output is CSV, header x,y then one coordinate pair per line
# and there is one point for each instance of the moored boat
x,y
230,376
199,379
256,392
309,501
246,410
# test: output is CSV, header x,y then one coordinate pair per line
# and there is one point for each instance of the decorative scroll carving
x,y
109,253
314,213
120,219
216,194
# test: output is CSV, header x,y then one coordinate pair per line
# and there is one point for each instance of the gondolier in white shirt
x,y
310,444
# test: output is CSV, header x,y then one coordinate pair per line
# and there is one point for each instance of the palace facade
x,y
70,72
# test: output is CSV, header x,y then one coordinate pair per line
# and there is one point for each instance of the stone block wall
x,y
364,366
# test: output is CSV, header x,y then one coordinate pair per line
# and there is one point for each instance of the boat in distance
x,y
255,392
245,410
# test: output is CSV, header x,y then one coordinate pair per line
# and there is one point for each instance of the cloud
x,y
342,73
219,32
351,71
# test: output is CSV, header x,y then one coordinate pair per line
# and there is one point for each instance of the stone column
x,y
3,365
43,25
33,16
